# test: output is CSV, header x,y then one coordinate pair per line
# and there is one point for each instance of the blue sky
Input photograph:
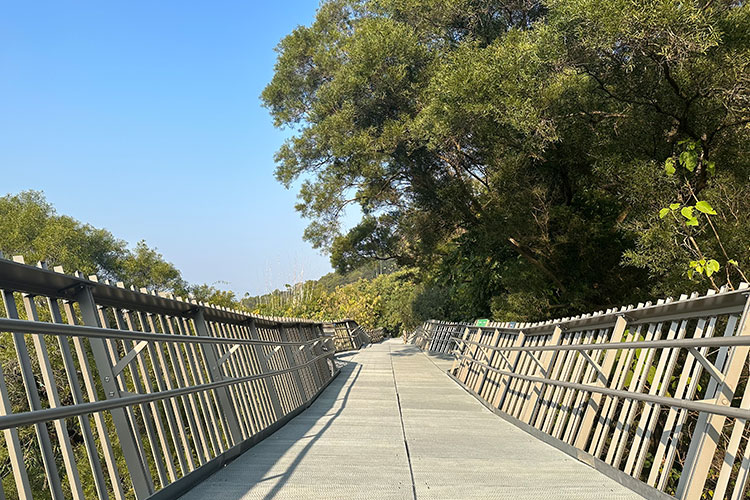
x,y
144,118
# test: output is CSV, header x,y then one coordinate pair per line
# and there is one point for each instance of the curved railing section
x,y
437,336
347,335
113,393
656,392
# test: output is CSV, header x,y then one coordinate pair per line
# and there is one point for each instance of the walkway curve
x,y
394,426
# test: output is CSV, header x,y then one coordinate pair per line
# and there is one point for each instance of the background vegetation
x,y
527,159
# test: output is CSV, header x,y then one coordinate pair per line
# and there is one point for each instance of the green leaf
x,y
692,222
733,262
705,207
690,273
663,212
711,167
687,212
712,266
674,206
689,160
669,166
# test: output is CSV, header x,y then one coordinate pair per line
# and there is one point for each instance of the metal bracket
x,y
72,290
710,367
228,354
130,356
596,366
504,358
193,311
272,353
538,363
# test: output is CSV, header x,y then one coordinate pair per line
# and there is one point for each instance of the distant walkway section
x,y
393,425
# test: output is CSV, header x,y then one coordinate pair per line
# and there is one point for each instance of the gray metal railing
x,y
658,392
437,336
108,392
347,335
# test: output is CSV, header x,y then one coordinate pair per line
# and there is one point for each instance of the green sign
x,y
482,322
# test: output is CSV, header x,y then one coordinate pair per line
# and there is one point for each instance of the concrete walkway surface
x,y
393,425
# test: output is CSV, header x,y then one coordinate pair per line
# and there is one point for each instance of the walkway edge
x,y
186,483
617,475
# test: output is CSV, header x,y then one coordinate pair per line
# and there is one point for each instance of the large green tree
x,y
514,150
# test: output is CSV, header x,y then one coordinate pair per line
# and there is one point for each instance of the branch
x,y
526,254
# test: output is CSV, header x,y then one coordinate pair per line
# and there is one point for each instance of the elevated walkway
x,y
393,425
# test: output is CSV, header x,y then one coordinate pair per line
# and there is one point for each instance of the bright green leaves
x,y
669,166
688,211
705,207
702,266
667,210
712,266
690,158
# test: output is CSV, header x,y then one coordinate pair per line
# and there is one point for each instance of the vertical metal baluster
x,y
32,395
137,469
194,421
218,429
15,451
535,390
708,429
228,410
149,411
75,389
594,402
101,427
48,378
170,406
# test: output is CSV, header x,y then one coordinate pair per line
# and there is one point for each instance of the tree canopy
x,y
519,152
31,227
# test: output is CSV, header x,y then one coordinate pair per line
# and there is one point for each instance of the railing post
x,y
490,359
289,354
592,407
263,364
215,374
506,381
138,470
709,427
536,389
458,362
465,368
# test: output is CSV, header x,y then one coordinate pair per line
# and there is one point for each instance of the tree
x,y
145,267
519,145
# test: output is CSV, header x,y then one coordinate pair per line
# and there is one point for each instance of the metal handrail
x,y
76,410
644,390
39,327
155,387
725,410
636,344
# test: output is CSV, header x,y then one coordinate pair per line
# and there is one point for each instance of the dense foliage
x,y
382,300
520,153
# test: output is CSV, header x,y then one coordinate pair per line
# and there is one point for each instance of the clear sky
x,y
144,117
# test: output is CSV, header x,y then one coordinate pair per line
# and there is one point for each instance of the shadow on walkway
x,y
255,464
